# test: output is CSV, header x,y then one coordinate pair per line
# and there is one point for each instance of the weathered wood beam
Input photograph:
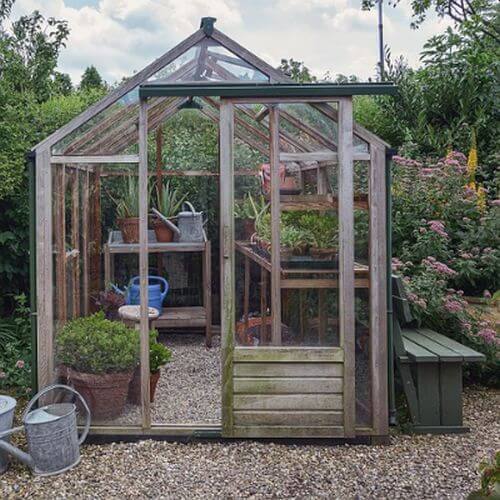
x,y
96,159
226,142
346,260
274,162
143,264
320,156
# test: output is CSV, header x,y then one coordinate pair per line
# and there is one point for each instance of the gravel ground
x,y
411,467
188,391
189,387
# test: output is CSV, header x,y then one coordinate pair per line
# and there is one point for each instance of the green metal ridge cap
x,y
152,89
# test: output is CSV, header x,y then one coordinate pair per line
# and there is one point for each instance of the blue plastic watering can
x,y
156,296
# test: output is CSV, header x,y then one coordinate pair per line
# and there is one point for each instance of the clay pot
x,y
248,228
134,389
130,229
106,393
163,233
323,253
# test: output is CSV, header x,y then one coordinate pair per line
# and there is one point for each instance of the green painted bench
x,y
430,367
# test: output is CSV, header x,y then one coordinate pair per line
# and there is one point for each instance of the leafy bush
x,y
490,479
96,345
159,355
438,213
15,354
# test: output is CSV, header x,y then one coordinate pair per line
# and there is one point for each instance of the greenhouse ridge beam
x,y
266,90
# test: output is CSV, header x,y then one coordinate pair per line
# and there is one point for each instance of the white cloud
x,y
123,36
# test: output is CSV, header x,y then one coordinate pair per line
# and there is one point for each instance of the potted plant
x,y
98,357
127,209
292,241
109,302
323,237
168,202
247,210
159,355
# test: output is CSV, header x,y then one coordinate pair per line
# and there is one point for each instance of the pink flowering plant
x,y
439,307
437,212
15,351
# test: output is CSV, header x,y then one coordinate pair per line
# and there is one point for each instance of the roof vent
x,y
207,25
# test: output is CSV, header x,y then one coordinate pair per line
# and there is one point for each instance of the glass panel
x,y
106,131
94,351
362,296
208,61
188,387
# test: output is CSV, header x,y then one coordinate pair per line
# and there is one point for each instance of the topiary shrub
x,y
96,345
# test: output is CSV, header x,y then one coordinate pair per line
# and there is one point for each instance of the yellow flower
x,y
472,159
481,199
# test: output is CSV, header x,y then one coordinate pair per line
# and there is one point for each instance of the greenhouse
x,y
211,253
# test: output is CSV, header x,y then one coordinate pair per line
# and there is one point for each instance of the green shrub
x,y
15,351
96,345
159,355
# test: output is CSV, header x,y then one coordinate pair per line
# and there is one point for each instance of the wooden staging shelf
x,y
171,317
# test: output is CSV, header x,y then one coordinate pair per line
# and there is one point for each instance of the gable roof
x,y
214,50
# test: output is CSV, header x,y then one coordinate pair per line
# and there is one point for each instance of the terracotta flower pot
x,y
130,229
163,233
248,228
106,393
134,389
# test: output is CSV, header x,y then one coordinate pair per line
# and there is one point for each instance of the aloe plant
x,y
127,201
169,200
249,208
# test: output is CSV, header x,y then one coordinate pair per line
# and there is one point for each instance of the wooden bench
x,y
430,367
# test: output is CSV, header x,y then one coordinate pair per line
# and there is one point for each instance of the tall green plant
x,y
169,199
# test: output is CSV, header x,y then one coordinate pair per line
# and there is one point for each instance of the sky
x,y
120,37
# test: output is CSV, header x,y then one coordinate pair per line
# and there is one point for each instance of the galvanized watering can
x,y
189,227
51,433
190,223
156,296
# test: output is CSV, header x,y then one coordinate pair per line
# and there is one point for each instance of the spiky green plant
x,y
169,200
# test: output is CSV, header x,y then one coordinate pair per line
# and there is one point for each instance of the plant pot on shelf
x,y
162,232
323,253
248,226
130,229
134,388
105,394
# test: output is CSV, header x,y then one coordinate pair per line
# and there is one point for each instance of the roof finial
x,y
207,25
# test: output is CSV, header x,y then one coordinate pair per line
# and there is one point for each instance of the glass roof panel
x,y
208,61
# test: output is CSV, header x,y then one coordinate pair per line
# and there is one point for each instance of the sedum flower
x,y
437,226
488,335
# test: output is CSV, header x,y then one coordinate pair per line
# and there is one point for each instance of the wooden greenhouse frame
x,y
297,410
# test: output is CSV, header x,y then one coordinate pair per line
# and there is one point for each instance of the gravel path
x,y
189,390
411,467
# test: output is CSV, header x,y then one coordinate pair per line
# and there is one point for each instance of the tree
x,y
297,71
483,15
91,79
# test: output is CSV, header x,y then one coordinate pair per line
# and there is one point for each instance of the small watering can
x,y
156,296
51,433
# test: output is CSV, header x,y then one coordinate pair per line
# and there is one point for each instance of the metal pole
x,y
381,41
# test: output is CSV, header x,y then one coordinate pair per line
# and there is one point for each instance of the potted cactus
x,y
98,357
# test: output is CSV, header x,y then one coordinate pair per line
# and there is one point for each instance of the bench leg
x,y
428,393
450,387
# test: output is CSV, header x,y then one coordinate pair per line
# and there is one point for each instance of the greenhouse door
x,y
287,317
